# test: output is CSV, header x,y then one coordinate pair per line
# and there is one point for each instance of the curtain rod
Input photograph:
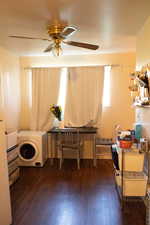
x,y
48,67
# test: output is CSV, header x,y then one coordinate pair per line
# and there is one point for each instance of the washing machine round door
x,y
28,151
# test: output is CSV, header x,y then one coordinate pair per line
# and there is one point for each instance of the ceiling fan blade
x,y
49,48
32,38
68,31
82,45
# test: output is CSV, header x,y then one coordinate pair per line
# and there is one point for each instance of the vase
x,y
58,124
61,124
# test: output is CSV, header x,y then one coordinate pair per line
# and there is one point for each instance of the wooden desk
x,y
53,133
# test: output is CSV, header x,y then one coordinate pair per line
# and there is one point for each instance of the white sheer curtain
x,y
10,83
84,96
45,89
26,98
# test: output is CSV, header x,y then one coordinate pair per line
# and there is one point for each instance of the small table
x,y
82,130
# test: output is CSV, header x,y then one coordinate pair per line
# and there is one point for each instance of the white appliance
x,y
32,148
5,207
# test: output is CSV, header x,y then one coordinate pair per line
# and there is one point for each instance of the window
x,y
106,89
63,89
30,88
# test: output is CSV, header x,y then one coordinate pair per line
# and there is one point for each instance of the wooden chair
x,y
102,143
69,139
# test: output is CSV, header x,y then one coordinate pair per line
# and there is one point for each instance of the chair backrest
x,y
69,136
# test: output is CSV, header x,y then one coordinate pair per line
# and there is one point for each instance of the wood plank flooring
x,y
49,196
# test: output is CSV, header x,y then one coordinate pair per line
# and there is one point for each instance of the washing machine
x,y
32,148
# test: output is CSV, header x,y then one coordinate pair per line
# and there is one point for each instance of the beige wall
x,y
82,60
120,110
10,92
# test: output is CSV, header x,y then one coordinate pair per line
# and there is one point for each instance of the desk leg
x,y
51,144
94,151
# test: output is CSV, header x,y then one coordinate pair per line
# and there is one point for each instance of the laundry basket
x,y
125,144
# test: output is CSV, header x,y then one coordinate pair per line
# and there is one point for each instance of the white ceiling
x,y
113,24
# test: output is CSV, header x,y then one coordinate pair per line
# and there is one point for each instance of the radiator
x,y
12,157
11,139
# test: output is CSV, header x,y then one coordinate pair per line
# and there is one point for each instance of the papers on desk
x,y
89,124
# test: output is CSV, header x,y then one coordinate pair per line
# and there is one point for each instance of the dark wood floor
x,y
49,196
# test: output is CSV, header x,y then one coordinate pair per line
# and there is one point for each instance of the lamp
x,y
57,49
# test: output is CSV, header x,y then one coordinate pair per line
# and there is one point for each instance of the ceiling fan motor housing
x,y
55,30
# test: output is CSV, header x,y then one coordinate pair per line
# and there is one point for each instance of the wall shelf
x,y
141,106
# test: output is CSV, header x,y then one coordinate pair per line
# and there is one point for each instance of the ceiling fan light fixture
x,y
57,50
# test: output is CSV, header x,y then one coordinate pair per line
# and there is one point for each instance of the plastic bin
x,y
134,183
133,161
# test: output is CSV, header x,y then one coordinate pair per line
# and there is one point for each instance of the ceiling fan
x,y
58,35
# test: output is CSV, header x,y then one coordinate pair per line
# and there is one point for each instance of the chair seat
x,y
70,139
73,146
104,141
